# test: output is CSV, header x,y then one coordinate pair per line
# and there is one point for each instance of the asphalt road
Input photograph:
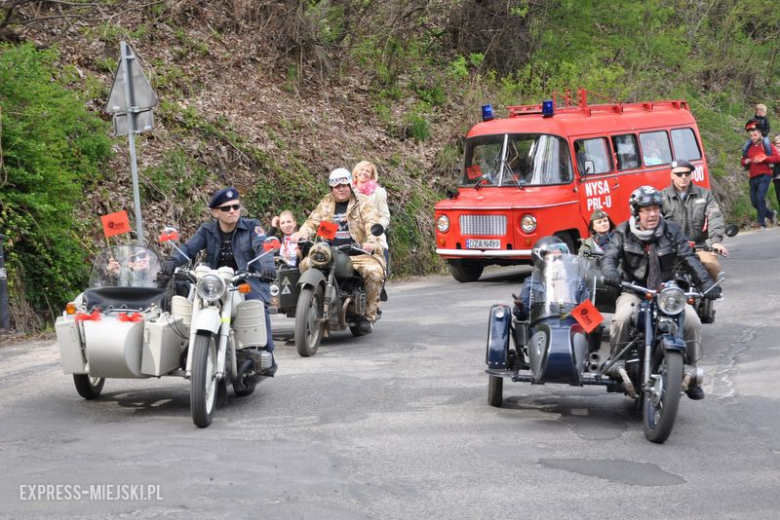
x,y
396,425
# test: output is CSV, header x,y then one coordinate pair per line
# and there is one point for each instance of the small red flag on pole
x,y
327,230
587,315
115,223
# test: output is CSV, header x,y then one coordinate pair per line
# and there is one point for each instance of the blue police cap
x,y
222,196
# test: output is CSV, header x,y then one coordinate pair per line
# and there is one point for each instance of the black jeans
x,y
776,182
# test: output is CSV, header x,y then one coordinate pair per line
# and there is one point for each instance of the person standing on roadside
x,y
758,159
697,212
776,171
762,123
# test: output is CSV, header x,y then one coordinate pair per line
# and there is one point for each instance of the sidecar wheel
x,y
308,328
465,270
495,391
204,389
88,387
660,402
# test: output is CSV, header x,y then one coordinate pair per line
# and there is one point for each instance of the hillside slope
x,y
271,96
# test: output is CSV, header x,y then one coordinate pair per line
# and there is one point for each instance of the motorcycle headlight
x,y
320,254
528,224
211,287
443,224
672,300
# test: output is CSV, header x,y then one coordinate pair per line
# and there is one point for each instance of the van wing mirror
x,y
590,167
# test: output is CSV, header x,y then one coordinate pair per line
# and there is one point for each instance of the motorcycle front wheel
x,y
660,401
308,324
88,387
495,391
203,392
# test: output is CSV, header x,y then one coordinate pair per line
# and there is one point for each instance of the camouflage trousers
x,y
371,268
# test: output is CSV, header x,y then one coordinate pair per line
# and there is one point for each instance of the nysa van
x,y
545,168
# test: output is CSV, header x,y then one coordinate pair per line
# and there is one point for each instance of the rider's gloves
x,y
518,311
267,274
167,269
712,292
612,279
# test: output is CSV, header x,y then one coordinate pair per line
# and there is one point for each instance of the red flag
x,y
115,223
271,244
135,317
587,315
327,230
82,316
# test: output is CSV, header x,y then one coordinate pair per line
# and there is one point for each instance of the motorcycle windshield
x,y
558,285
125,266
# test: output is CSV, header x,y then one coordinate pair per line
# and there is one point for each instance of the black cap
x,y
682,163
222,196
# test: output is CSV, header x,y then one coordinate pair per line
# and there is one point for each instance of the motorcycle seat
x,y
124,298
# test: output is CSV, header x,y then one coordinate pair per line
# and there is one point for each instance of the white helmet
x,y
340,176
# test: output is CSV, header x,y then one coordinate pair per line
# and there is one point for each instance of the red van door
x,y
599,184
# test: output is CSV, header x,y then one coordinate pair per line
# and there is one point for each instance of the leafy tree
x,y
52,147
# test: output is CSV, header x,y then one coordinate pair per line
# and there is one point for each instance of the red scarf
x,y
368,187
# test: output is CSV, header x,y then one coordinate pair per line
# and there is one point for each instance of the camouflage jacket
x,y
361,215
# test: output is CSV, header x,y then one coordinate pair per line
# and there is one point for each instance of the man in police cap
x,y
697,212
231,240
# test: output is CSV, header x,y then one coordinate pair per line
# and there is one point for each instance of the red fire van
x,y
544,169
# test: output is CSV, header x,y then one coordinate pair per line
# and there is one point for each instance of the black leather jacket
x,y
627,253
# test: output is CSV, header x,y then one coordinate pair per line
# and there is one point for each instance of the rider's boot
x,y
692,382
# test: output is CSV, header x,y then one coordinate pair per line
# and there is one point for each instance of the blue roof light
x,y
487,113
548,109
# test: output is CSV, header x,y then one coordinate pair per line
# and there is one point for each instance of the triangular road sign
x,y
141,93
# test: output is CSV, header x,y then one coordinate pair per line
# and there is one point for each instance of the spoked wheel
x,y
660,401
465,270
495,391
88,387
308,324
707,311
203,392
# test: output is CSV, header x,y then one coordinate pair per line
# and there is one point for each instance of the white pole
x,y
130,111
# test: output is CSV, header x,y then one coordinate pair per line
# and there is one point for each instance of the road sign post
x,y
130,101
5,318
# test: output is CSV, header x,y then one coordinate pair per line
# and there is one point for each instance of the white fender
x,y
208,319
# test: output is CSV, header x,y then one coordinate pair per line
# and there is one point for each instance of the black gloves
x,y
168,268
612,279
713,292
267,274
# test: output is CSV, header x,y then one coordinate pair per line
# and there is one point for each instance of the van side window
x,y
593,156
685,145
626,151
655,148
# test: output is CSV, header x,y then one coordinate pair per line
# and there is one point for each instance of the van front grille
x,y
483,225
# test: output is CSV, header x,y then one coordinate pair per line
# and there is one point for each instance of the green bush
x,y
52,149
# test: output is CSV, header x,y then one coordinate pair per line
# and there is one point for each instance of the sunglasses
x,y
138,256
335,183
683,174
225,209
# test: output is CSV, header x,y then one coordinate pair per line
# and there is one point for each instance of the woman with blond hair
x,y
365,181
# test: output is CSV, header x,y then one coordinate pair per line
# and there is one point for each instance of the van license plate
x,y
482,244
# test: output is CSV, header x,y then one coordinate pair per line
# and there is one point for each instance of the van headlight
x,y
443,224
528,224
672,300
211,287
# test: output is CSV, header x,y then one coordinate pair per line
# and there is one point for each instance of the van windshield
x,y
517,160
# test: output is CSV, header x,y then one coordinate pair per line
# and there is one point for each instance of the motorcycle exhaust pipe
x,y
594,361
